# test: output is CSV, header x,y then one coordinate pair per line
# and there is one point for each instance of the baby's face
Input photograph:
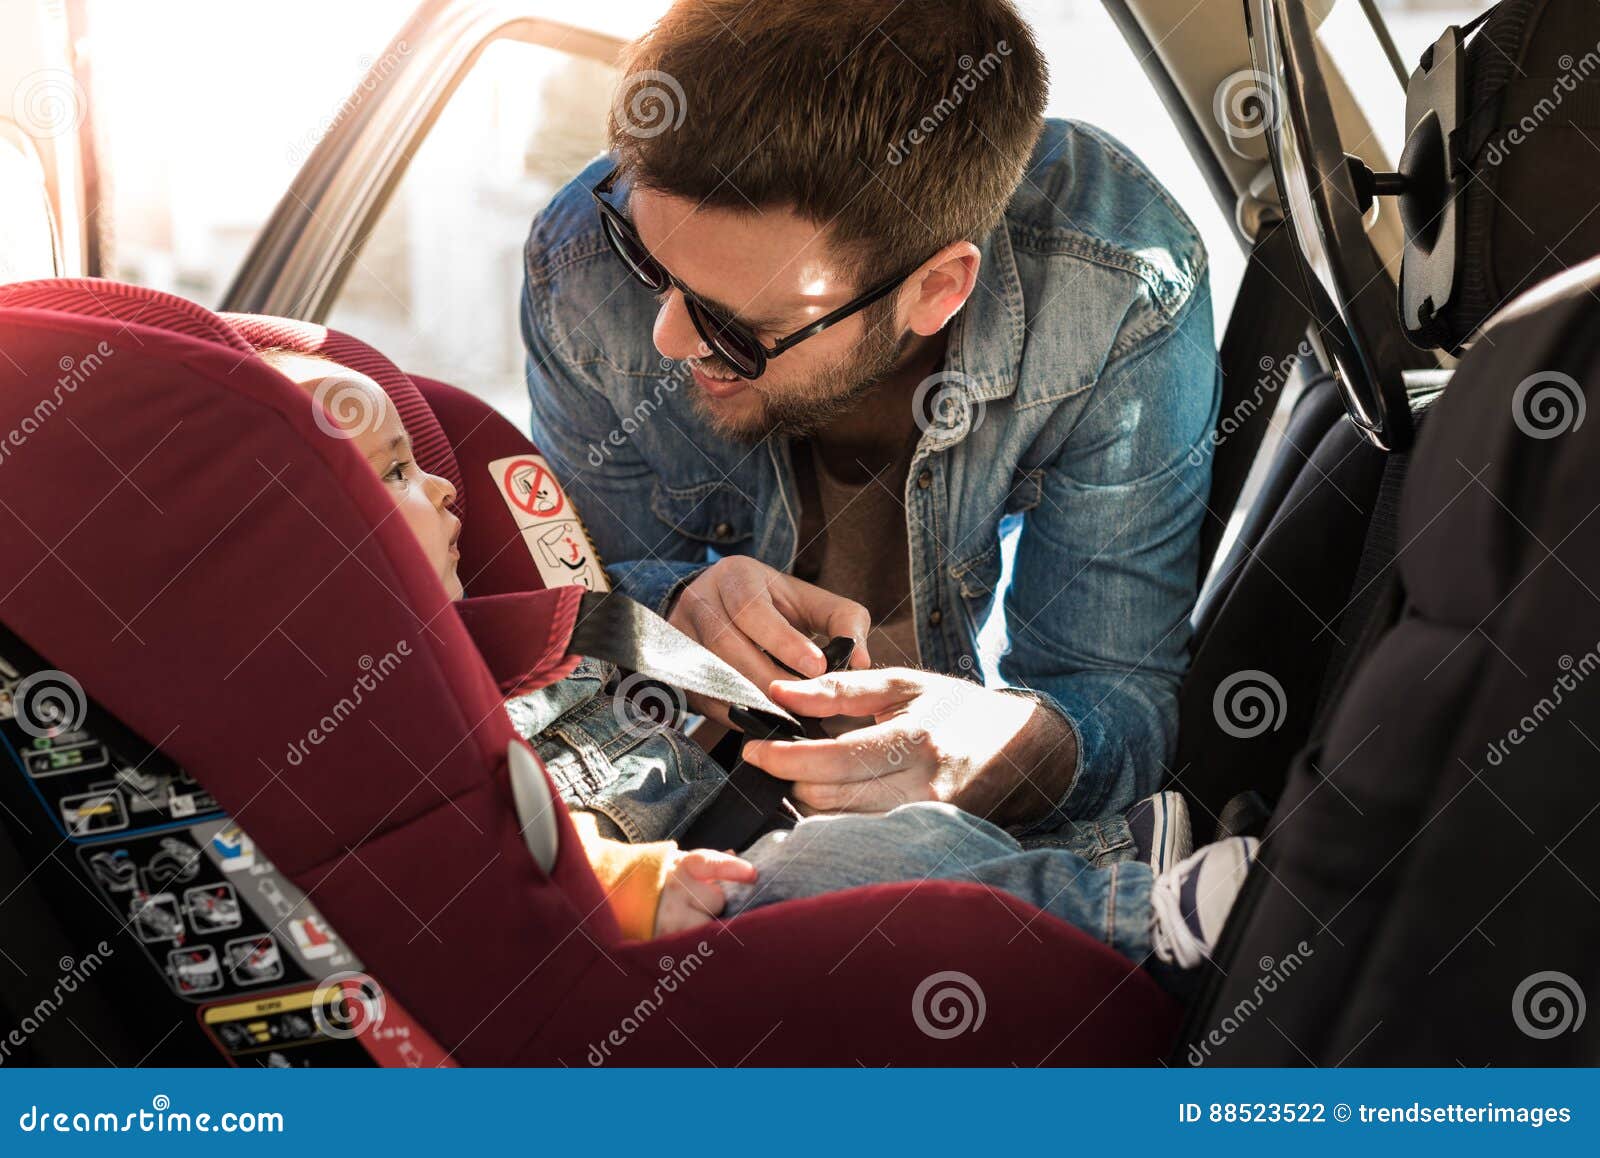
x,y
362,412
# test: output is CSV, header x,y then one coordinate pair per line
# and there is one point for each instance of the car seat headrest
x,y
1500,120
130,304
428,441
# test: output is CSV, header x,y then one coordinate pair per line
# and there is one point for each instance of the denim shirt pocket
x,y
976,580
645,781
1027,490
717,513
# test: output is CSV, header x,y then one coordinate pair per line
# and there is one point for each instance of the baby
x,y
1130,881
654,888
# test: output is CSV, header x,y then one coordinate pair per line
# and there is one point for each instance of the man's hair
x,y
901,126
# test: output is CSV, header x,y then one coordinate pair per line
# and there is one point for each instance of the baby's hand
x,y
692,896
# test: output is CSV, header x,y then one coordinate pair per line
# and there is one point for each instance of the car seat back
x,y
195,560
1429,878
1263,649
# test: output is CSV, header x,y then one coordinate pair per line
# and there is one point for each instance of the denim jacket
x,y
1078,378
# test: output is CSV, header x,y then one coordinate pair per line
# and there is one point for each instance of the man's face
x,y
777,273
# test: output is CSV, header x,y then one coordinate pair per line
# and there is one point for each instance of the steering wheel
x,y
1351,296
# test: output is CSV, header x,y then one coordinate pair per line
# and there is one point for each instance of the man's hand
x,y
692,895
739,607
933,737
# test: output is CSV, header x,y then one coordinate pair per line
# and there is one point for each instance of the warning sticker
x,y
551,529
346,1021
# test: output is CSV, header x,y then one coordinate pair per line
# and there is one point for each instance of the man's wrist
x,y
1026,780
669,601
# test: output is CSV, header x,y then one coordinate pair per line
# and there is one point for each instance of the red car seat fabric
x,y
222,577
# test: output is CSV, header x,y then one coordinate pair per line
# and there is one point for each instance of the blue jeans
x,y
645,782
933,841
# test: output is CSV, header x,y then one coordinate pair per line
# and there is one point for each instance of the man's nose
x,y
675,335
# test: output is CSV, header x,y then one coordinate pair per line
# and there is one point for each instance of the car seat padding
x,y
213,570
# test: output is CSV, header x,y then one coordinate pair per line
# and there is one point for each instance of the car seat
x,y
1427,889
225,591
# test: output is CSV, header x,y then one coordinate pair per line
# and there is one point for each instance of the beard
x,y
802,410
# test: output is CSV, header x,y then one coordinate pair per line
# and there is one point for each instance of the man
x,y
913,315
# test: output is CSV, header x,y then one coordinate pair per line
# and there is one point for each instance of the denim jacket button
x,y
724,530
936,617
925,479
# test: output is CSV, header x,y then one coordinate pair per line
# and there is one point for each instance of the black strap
x,y
1258,352
630,635
754,802
1378,595
751,801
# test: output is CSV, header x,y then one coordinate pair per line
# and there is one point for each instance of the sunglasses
x,y
731,340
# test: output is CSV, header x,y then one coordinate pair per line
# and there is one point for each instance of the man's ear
x,y
940,287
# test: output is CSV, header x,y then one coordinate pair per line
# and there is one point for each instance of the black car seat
x,y
1278,627
1430,874
1270,630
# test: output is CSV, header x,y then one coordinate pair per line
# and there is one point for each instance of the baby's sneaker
x,y
1160,828
1191,901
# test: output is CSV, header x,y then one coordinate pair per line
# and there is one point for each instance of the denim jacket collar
x,y
994,310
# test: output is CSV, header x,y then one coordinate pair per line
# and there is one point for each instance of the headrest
x,y
1501,119
115,301
428,439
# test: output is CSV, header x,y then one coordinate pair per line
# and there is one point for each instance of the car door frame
x,y
315,234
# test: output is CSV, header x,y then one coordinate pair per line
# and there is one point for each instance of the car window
x,y
203,118
436,284
1095,77
28,228
1354,48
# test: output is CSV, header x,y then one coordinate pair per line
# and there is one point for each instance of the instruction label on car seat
x,y
551,529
